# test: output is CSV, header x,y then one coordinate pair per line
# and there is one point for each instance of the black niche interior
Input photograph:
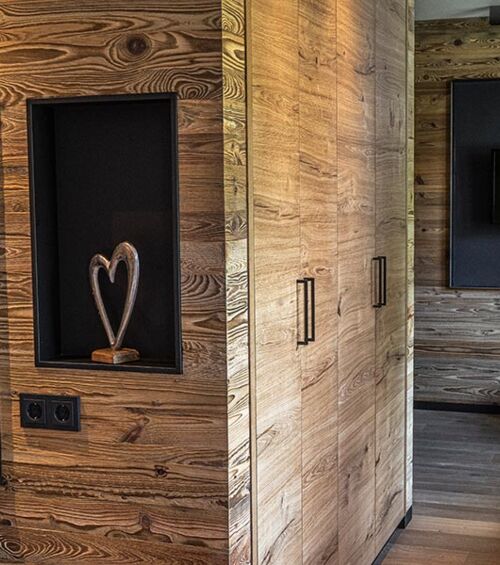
x,y
475,190
104,170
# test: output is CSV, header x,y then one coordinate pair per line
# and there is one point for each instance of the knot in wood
x,y
137,45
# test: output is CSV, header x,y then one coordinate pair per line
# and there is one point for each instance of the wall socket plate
x,y
50,412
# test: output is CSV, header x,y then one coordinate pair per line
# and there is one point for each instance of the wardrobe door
x,y
356,249
391,126
274,148
318,223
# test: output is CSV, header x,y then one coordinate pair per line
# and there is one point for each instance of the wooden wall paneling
x,y
276,242
48,546
453,362
237,298
431,184
151,463
318,223
356,248
391,236
475,375
456,337
410,257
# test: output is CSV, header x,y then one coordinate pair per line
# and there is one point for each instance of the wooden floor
x,y
457,492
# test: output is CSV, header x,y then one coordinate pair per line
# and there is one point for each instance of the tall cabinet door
x,y
318,223
356,249
277,383
391,157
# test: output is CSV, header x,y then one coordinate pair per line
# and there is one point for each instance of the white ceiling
x,y
446,9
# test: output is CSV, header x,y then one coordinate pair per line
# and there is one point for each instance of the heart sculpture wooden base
x,y
115,356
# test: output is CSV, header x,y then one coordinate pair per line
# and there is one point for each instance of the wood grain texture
x,y
236,279
457,341
356,248
318,232
274,133
457,505
410,247
160,471
19,545
338,254
391,241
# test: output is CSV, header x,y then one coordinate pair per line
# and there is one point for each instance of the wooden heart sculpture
x,y
127,253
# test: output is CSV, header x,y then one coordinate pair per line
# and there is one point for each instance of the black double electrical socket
x,y
50,412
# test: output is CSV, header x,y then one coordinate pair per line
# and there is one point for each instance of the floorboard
x,y
457,492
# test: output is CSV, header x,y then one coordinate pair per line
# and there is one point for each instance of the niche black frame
x,y
141,366
456,281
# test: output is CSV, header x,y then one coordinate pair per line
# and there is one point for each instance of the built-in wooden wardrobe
x,y
284,437
329,125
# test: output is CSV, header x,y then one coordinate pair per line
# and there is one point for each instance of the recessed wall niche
x,y
104,170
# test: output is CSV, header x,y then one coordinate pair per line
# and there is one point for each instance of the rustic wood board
x,y
356,248
236,279
274,139
391,236
318,225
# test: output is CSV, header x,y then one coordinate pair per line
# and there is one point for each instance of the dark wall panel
x,y
475,235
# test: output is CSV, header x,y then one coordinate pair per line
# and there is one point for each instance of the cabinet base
x,y
405,522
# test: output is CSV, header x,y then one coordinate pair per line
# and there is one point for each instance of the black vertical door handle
x,y
384,280
309,288
381,278
305,340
